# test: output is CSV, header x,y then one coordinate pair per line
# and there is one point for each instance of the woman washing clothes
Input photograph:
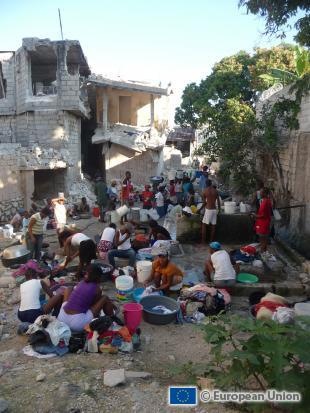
x,y
106,242
30,307
157,232
85,301
165,274
77,245
219,269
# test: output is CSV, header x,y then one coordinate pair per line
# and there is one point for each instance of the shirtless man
x,y
210,196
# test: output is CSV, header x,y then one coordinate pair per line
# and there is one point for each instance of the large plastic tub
x,y
153,317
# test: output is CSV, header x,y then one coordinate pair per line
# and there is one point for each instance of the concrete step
x,y
285,289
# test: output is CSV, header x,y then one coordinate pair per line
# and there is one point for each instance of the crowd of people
x,y
78,306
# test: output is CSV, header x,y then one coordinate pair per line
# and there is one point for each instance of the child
x,y
107,241
147,196
179,191
30,307
160,201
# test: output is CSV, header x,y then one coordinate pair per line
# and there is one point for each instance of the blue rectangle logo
x,y
185,396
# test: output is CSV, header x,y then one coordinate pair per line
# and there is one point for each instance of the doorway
x,y
124,105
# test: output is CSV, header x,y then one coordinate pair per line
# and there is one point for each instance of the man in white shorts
x,y
210,197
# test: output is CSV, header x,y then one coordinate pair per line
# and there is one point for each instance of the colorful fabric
x,y
262,225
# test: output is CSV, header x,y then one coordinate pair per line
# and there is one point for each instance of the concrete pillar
x,y
105,102
27,187
152,111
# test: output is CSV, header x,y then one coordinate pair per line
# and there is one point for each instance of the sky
x,y
175,41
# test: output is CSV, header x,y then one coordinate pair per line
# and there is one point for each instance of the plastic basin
x,y
153,317
247,278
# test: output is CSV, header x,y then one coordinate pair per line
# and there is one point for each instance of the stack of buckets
x,y
124,287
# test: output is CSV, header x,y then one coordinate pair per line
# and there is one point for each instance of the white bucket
x,y
171,175
61,195
302,309
229,207
143,215
135,214
115,218
144,269
123,210
124,283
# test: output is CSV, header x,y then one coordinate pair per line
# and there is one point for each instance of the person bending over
x,y
157,232
219,268
107,241
77,245
165,274
85,301
30,307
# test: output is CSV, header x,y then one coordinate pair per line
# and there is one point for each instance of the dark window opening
x,y
2,84
43,71
73,66
47,183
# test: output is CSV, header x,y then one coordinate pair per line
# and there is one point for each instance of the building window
x,y
2,84
43,71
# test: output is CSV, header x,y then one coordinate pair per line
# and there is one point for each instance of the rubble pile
x,y
80,189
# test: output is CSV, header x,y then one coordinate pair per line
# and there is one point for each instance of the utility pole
x,y
62,37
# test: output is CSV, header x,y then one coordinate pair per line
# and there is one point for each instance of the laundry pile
x,y
200,300
46,336
107,336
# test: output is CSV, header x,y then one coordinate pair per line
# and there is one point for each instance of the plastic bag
x,y
284,315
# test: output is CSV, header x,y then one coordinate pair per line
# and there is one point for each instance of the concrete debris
x,y
112,378
41,377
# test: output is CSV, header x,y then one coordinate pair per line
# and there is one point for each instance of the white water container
x,y
123,210
144,269
302,309
143,215
124,283
230,207
115,218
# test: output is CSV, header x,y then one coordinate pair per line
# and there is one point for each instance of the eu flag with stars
x,y
182,396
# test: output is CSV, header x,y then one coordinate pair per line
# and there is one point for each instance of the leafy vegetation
x,y
258,355
223,107
278,15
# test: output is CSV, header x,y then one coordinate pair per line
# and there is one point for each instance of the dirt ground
x,y
74,383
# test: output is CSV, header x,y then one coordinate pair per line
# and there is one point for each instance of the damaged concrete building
x,y
132,123
42,104
57,119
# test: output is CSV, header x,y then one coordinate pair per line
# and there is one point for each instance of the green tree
x,y
278,15
223,107
301,68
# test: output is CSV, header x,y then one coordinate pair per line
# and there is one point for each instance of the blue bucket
x,y
137,294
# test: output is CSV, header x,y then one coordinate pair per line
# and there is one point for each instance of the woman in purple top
x,y
85,301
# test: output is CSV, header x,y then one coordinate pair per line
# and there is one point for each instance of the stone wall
x,y
7,104
294,156
10,194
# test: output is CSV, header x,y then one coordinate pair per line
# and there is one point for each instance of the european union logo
x,y
182,396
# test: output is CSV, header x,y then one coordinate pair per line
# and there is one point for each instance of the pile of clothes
x,y
201,300
273,307
107,336
246,254
46,336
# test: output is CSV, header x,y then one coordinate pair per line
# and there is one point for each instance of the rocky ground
x,y
75,383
